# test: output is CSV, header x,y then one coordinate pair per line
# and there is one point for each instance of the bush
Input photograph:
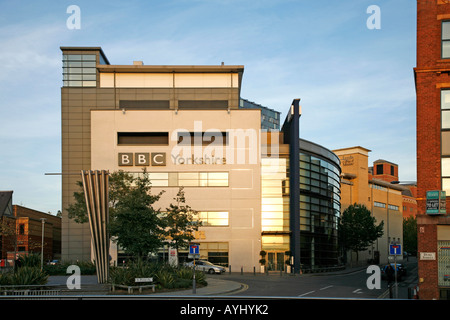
x,y
164,275
24,276
86,268
29,276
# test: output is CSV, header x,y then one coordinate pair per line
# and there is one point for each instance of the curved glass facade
x,y
319,206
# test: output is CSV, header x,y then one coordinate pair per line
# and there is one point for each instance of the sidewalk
x,y
89,286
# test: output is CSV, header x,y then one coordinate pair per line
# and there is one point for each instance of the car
x,y
401,271
206,266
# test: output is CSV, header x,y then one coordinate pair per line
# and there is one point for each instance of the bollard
x,y
242,270
229,269
254,270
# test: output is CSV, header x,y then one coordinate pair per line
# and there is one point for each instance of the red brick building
x,y
388,171
21,231
432,78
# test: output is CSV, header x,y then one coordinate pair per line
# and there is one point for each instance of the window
x,y
21,229
213,218
445,138
392,171
379,204
379,169
392,207
79,70
187,179
445,39
202,138
143,138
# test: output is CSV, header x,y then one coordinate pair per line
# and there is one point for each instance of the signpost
x,y
194,253
395,250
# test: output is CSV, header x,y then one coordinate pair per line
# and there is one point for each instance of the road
x,y
349,284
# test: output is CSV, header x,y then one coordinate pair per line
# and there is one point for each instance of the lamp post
x,y
42,243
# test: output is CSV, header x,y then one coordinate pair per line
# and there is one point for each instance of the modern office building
x,y
377,193
187,126
432,79
270,119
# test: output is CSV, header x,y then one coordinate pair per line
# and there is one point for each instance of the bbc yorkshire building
x,y
189,127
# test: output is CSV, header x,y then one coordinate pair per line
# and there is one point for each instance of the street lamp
x,y
42,243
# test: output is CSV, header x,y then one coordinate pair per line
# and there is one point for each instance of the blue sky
x,y
356,84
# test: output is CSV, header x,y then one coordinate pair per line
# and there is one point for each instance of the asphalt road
x,y
349,284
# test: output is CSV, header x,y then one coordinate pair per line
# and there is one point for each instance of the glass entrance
x,y
275,261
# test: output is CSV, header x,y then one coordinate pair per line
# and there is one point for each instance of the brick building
x,y
432,79
388,172
21,231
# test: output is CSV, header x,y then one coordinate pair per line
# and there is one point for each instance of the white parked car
x,y
206,266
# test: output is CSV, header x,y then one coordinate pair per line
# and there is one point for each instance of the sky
x,y
355,82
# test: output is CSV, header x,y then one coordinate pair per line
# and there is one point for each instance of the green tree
x,y
181,222
358,229
135,225
77,209
410,234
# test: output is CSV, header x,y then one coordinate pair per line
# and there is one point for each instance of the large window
x,y
143,138
79,70
213,218
188,179
446,39
445,140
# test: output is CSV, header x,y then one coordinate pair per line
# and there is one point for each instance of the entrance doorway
x,y
275,261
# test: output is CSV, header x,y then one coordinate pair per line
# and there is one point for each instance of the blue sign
x,y
395,249
194,249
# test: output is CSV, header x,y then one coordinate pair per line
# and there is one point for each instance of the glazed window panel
x,y
445,143
213,218
445,99
445,167
445,118
446,185
445,39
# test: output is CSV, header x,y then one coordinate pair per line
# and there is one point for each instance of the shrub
x,y
86,268
164,275
165,278
29,276
24,276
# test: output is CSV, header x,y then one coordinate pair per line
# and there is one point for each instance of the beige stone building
x,y
382,198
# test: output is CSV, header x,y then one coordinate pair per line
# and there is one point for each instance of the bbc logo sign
x,y
130,159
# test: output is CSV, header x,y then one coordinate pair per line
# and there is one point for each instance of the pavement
x,y
90,286
215,287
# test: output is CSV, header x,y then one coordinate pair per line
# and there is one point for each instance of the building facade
x,y
23,231
382,198
270,119
188,127
432,80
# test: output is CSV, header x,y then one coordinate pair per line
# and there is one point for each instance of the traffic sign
x,y
395,249
194,249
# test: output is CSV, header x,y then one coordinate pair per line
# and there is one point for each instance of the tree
x,y
135,225
77,210
410,234
181,222
133,220
358,229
